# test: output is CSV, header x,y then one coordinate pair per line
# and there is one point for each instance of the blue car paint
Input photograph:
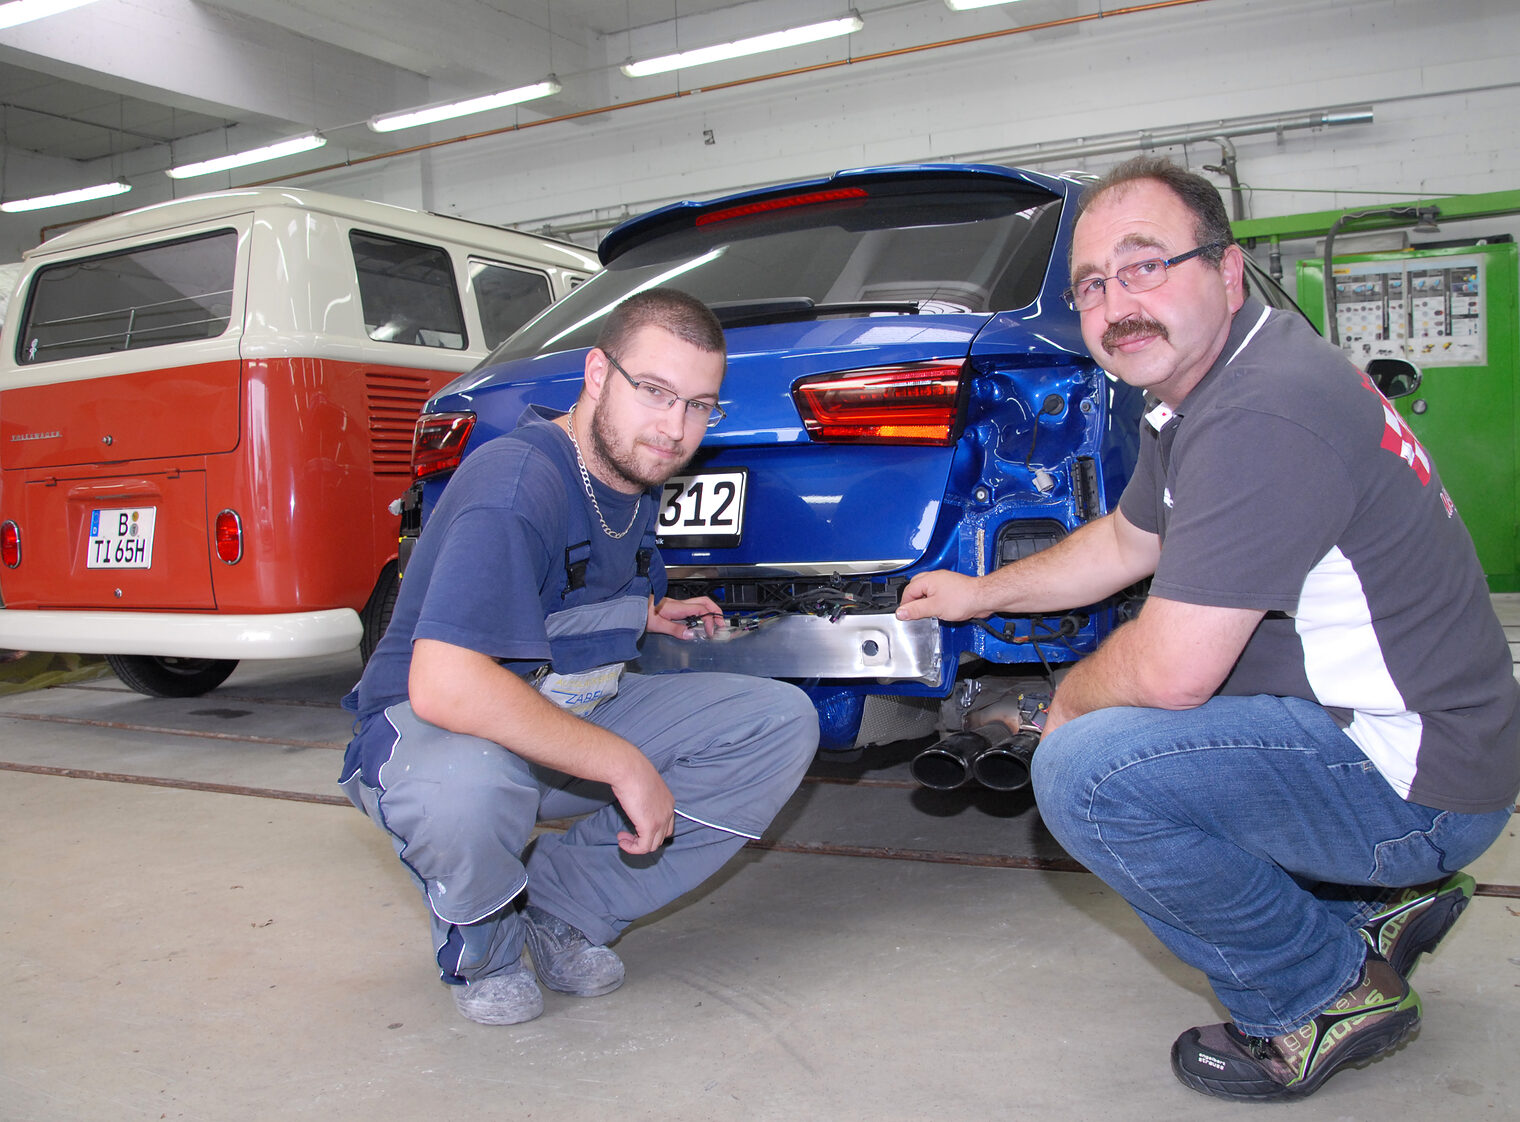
x,y
1036,406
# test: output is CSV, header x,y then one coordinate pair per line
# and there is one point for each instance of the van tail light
x,y
912,404
438,442
229,537
10,544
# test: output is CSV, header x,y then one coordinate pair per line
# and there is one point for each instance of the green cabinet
x,y
1455,312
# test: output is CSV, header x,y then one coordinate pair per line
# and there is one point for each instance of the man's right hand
x,y
942,594
650,807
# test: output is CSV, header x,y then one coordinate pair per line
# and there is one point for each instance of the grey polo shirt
x,y
1285,482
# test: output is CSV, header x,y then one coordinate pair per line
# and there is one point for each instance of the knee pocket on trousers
x,y
1444,847
1408,860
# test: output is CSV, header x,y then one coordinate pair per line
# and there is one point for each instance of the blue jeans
x,y
1252,836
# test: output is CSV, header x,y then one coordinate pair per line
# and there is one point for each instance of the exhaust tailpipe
x,y
947,764
1004,766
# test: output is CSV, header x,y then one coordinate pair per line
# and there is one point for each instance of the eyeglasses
x,y
1142,276
658,397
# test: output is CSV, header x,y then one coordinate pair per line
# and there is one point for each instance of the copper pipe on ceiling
x,y
898,52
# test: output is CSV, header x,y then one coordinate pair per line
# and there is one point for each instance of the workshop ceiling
x,y
119,76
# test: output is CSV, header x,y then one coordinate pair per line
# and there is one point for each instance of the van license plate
x,y
121,538
703,511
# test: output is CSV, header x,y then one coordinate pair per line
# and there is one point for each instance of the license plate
x,y
121,538
703,511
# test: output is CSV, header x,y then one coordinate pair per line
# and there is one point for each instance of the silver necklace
x,y
580,462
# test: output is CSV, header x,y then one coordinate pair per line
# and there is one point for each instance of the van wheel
x,y
376,616
171,677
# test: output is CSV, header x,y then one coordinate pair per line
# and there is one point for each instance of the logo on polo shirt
x,y
1399,438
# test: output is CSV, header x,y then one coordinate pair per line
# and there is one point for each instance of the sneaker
x,y
508,998
566,960
1365,1022
1416,919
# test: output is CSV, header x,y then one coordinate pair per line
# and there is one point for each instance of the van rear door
x,y
93,382
125,376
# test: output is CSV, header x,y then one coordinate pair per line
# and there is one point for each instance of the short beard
x,y
1116,333
614,460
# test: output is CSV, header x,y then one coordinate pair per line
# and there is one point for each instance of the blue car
x,y
906,391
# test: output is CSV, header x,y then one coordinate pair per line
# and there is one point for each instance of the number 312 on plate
x,y
705,506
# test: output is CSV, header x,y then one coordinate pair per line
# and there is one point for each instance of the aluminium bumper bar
x,y
877,646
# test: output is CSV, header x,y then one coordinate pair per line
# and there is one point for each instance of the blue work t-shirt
x,y
491,563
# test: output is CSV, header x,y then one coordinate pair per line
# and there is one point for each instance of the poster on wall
x,y
1428,310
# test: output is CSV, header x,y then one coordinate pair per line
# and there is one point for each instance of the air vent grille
x,y
393,400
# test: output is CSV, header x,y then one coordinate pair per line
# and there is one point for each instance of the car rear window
x,y
944,250
172,292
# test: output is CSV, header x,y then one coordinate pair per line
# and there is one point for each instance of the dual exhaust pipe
x,y
963,757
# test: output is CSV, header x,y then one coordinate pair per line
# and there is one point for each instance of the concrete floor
x,y
186,952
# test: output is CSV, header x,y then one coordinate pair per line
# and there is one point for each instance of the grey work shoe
x,y
508,998
566,960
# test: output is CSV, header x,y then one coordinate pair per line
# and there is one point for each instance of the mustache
x,y
1116,333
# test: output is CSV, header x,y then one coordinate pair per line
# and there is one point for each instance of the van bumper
x,y
182,634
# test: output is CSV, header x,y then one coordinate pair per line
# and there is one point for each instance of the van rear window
x,y
173,292
407,292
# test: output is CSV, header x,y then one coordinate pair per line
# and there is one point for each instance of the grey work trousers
x,y
460,811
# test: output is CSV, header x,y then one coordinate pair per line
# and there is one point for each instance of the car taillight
x,y
10,544
438,442
228,529
915,404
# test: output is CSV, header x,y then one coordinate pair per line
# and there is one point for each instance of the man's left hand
x,y
673,617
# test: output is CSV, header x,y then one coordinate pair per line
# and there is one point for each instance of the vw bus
x,y
206,414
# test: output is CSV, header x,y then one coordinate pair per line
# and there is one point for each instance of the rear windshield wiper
x,y
747,313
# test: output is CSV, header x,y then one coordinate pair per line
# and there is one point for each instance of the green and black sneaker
x,y
1416,919
1365,1022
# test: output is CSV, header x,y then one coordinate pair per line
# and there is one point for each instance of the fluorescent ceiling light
x,y
967,5
411,118
64,198
776,40
24,11
252,156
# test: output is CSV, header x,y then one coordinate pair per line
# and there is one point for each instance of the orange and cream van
x,y
206,413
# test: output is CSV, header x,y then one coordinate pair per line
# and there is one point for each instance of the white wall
x,y
1441,76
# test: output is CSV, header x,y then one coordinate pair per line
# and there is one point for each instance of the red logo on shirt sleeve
x,y
1399,438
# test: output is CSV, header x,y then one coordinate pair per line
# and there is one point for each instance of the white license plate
x,y
121,538
704,510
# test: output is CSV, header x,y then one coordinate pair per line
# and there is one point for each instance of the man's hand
x,y
669,617
650,807
942,594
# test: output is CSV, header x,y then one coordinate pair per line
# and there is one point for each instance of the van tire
x,y
376,616
171,677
